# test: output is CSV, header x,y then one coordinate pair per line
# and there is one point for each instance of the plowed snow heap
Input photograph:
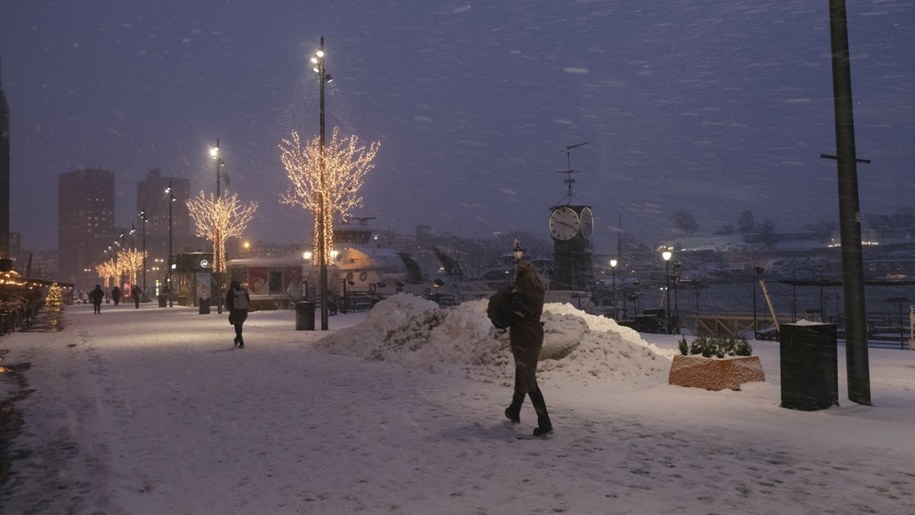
x,y
417,333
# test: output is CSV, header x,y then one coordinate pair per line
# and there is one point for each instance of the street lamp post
x,y
613,263
142,216
756,271
323,77
666,254
218,258
518,251
122,246
676,302
168,266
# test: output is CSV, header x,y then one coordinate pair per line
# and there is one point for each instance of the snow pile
x,y
417,333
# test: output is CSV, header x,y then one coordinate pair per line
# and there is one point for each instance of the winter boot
x,y
544,426
513,412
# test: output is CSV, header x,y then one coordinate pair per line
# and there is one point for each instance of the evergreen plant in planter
x,y
715,364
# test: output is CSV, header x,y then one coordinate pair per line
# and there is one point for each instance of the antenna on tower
x,y
569,171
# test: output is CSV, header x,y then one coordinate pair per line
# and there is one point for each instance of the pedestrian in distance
x,y
237,301
116,295
526,341
96,297
135,293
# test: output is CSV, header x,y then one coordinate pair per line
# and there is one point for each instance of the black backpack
x,y
505,308
240,299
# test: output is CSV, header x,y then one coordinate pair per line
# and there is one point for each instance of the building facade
x,y
4,175
85,223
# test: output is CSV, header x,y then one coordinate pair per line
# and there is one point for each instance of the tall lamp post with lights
x,y
757,270
218,258
676,318
142,217
168,266
666,254
518,251
613,263
323,77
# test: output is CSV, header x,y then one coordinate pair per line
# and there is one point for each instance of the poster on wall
x,y
258,281
203,286
293,275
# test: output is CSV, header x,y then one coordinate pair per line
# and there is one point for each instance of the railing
x,y
882,327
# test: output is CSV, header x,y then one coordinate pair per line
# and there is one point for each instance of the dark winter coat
x,y
96,296
526,334
237,315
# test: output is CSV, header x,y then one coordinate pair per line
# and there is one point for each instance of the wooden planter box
x,y
713,373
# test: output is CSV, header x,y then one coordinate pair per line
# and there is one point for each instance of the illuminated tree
x,y
54,299
109,270
219,219
345,166
130,261
54,305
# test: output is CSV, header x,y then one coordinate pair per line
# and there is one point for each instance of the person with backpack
x,y
237,301
520,305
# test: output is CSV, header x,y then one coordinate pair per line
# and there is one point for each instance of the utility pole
x,y
856,354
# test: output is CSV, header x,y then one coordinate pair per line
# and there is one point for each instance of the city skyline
x,y
712,109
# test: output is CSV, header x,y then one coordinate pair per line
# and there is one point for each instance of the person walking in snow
x,y
237,300
135,293
526,339
116,295
96,297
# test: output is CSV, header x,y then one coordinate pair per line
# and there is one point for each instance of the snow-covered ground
x,y
152,411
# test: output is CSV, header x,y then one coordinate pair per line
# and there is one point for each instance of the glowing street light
x,y
613,263
218,258
142,216
667,254
518,251
168,280
317,61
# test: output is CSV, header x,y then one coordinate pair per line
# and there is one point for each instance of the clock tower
x,y
571,228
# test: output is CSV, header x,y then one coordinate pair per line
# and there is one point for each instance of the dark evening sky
x,y
708,107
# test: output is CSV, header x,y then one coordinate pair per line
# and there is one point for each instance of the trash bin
x,y
305,316
162,301
809,366
204,306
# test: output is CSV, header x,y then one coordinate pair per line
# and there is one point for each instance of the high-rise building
x,y
85,223
153,200
4,175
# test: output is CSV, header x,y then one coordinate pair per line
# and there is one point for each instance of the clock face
x,y
564,223
587,223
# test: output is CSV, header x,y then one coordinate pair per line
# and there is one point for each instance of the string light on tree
x,y
104,271
130,261
54,305
346,163
219,219
109,271
54,299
